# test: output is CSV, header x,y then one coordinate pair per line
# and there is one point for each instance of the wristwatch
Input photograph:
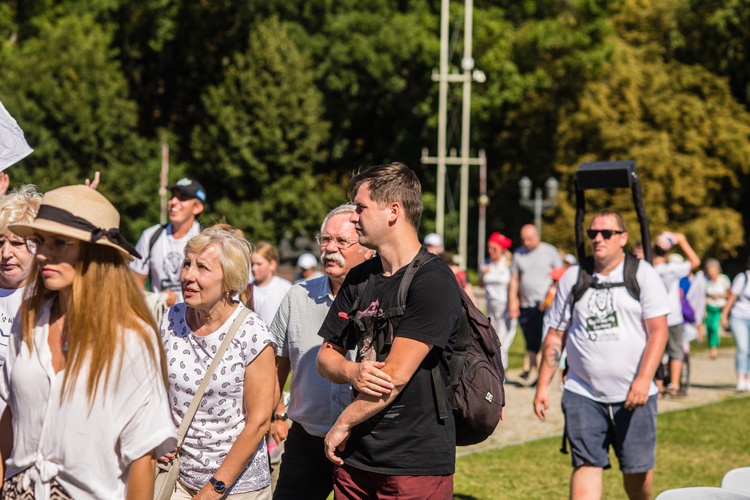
x,y
281,416
219,486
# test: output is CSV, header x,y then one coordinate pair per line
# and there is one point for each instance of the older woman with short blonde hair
x,y
224,451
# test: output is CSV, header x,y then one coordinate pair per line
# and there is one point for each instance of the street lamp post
x,y
538,204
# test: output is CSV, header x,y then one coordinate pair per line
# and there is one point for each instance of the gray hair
x,y
234,256
346,208
713,263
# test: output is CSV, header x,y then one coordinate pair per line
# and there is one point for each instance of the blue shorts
x,y
592,427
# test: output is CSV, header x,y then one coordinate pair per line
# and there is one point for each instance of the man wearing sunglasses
x,y
316,402
614,343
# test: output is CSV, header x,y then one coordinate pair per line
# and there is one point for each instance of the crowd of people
x,y
108,349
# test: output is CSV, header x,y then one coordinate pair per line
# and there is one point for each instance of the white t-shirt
x,y
162,263
267,299
607,333
719,287
10,305
496,281
741,288
671,273
87,448
221,416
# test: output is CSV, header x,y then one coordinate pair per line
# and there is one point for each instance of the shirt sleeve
x,y
280,326
14,344
254,335
654,301
556,259
141,266
336,328
514,264
559,315
142,399
739,284
433,306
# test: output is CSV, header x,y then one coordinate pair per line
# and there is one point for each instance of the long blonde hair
x,y
104,302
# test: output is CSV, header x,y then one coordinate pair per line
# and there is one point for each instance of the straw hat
x,y
79,212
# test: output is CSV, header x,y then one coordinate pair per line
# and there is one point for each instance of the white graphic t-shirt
x,y
163,261
221,415
606,331
10,306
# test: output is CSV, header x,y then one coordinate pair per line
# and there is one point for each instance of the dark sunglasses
x,y
606,233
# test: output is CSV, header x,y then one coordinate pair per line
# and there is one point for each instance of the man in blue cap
x,y
162,246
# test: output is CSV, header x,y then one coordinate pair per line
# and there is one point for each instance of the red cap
x,y
557,273
499,239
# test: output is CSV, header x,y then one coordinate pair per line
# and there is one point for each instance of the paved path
x,y
711,381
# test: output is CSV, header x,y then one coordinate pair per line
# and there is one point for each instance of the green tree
x,y
70,97
680,123
265,134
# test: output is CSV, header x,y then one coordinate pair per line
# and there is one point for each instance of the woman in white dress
x,y
224,451
495,278
84,379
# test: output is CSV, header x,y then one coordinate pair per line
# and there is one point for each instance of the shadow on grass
x,y
461,496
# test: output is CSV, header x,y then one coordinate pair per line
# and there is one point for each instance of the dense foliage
x,y
273,104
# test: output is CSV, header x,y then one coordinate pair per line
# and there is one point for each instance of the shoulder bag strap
x,y
207,377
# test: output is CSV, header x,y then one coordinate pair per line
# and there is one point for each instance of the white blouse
x,y
221,415
88,448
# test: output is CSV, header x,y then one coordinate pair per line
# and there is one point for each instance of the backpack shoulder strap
x,y
629,275
154,237
422,258
584,281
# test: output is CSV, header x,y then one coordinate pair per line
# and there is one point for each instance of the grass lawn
x,y
518,348
695,447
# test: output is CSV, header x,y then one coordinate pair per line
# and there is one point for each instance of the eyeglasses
x,y
57,245
341,241
606,233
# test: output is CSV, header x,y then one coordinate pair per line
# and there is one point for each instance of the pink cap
x,y
557,273
499,239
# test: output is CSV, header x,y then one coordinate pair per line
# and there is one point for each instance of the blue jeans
x,y
741,333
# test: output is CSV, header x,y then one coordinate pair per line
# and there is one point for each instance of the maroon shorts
x,y
351,483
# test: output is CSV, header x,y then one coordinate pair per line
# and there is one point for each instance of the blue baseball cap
x,y
190,187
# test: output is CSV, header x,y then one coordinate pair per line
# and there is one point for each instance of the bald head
x,y
530,236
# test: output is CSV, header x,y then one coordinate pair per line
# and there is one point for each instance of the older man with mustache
x,y
315,401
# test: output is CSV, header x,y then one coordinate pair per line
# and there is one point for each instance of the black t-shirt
x,y
406,438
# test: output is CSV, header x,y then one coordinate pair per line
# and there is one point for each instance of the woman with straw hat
x,y
85,379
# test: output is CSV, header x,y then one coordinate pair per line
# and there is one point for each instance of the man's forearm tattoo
x,y
552,354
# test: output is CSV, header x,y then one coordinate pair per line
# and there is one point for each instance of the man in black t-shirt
x,y
391,439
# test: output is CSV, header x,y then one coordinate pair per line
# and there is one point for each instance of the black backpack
x,y
586,279
476,374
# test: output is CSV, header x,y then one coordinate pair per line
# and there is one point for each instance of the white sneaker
x,y
742,385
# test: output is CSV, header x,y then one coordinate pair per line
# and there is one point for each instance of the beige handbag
x,y
167,474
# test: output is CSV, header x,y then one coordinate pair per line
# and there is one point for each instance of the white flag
x,y
13,146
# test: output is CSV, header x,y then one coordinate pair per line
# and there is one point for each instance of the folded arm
x,y
403,361
366,377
